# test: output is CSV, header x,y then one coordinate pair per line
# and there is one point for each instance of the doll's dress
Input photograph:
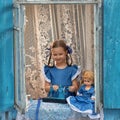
x,y
61,77
82,103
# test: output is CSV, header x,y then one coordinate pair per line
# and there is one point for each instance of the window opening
x,y
40,22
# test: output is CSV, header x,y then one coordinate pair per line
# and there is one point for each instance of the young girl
x,y
85,99
60,77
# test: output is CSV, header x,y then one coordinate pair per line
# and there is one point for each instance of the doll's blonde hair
x,y
87,74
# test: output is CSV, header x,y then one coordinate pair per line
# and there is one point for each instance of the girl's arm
x,y
74,86
47,86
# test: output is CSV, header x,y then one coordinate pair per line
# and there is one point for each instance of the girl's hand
x,y
72,88
55,87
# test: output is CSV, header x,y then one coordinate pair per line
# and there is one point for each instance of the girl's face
x,y
59,55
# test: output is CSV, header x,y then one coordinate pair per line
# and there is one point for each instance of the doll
x,y
84,101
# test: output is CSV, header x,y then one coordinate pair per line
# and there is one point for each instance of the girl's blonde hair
x,y
60,43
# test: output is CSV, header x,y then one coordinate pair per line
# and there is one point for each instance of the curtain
x,y
44,23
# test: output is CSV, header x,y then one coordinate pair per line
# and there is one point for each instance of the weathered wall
x,y
6,56
111,62
6,61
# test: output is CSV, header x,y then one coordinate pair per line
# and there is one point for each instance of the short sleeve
x,y
46,73
76,70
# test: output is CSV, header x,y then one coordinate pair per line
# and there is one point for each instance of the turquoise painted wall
x,y
111,114
6,56
111,59
112,53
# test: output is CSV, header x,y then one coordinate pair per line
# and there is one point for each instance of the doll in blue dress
x,y
84,101
60,75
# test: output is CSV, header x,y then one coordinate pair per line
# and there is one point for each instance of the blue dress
x,y
61,77
83,103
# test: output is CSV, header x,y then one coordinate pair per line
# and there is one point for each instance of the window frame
x,y
19,5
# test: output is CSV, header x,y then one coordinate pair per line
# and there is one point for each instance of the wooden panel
x,y
111,54
113,114
6,56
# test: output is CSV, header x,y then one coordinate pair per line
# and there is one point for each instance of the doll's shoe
x,y
94,116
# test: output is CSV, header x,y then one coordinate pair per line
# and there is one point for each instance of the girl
x,y
85,99
60,77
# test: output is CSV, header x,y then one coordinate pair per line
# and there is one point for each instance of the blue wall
x,y
6,55
111,59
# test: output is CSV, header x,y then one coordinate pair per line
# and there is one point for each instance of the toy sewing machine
x,y
58,96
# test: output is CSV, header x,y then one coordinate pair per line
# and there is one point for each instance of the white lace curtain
x,y
44,23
